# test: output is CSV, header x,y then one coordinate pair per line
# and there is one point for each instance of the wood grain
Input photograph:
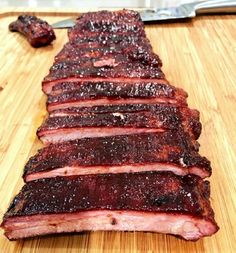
x,y
198,56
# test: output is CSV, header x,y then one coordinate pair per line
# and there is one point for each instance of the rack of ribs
x,y
121,149
38,32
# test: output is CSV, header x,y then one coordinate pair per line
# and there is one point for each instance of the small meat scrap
x,y
38,32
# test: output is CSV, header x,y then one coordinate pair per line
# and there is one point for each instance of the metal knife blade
x,y
175,13
67,23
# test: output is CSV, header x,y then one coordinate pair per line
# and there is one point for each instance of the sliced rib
x,y
113,88
116,68
168,151
108,102
111,39
154,119
141,51
122,22
54,87
69,94
107,108
157,202
81,94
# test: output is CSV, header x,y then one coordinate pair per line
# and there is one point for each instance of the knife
x,y
183,11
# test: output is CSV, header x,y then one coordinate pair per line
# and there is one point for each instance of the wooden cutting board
x,y
198,56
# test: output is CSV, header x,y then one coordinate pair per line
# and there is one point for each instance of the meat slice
x,y
106,101
38,32
168,151
123,22
111,68
70,93
141,51
92,93
113,88
110,39
55,87
155,118
101,109
151,201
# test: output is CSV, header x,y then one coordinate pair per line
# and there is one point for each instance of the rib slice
x,y
158,118
101,109
53,87
136,50
151,201
110,39
80,94
110,68
168,151
112,88
123,22
107,101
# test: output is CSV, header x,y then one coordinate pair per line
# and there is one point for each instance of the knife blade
x,y
183,11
